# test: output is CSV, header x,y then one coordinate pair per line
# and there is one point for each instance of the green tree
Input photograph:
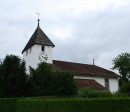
x,y
40,79
65,83
125,88
46,81
13,79
122,64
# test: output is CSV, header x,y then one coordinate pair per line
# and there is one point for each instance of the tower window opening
x,y
43,48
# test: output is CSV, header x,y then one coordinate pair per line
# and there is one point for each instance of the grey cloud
x,y
99,34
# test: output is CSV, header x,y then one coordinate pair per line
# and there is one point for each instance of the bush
x,y
8,104
91,93
125,88
74,105
119,94
65,105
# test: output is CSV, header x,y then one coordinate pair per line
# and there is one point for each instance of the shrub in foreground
x,y
65,105
74,105
8,104
92,93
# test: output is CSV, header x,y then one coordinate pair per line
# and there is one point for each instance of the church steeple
x,y
38,49
39,38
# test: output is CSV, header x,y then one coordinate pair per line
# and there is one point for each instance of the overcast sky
x,y
80,29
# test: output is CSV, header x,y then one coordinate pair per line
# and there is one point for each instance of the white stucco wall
x,y
113,83
32,59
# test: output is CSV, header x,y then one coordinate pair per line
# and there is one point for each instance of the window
x,y
107,83
43,48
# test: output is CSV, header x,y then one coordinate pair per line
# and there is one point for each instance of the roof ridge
x,y
74,62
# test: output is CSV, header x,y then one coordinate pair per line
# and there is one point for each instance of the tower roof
x,y
38,37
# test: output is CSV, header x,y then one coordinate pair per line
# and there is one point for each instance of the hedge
x,y
8,104
65,105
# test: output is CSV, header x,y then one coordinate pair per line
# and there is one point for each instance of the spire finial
x,y
38,17
93,61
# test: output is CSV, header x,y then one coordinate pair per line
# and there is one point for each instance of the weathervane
x,y
38,17
38,14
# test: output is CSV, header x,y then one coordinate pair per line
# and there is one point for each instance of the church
x,y
39,48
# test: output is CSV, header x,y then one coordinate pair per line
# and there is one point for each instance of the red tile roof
x,y
84,83
83,69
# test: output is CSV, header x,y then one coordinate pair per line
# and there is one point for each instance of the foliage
x,y
12,77
118,94
125,88
65,105
8,104
65,83
91,93
46,81
14,82
122,64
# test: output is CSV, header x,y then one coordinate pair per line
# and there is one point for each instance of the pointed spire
x,y
38,22
38,37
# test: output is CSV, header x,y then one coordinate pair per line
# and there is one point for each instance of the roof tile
x,y
84,83
84,69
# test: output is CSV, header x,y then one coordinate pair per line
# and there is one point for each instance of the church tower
x,y
38,49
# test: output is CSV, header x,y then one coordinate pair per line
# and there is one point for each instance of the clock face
x,y
43,57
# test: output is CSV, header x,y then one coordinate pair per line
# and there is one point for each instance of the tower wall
x,y
31,56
